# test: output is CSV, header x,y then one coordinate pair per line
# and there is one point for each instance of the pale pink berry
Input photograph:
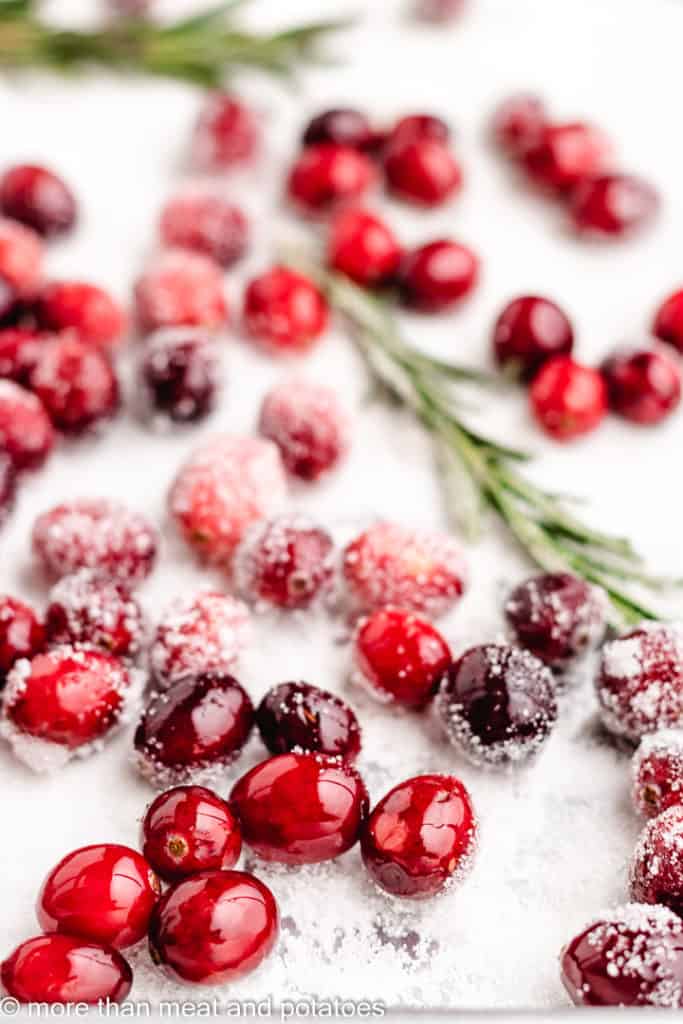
x,y
308,424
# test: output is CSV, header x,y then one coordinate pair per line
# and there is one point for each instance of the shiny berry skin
x,y
285,562
26,433
227,133
76,383
38,198
214,927
205,223
417,570
65,969
341,126
399,656
95,533
309,426
302,718
422,171
361,246
640,681
566,154
530,331
632,956
192,731
327,175
420,837
8,487
642,386
22,634
414,127
668,322
567,398
89,608
180,289
21,259
179,373
190,829
19,351
284,311
656,874
613,205
105,893
657,772
436,276
518,123
300,808
557,616
497,705
84,308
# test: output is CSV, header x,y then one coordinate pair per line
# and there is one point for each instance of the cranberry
x,y
284,311
422,171
131,8
76,383
8,302
84,308
286,562
640,682
668,323
327,175
21,259
630,957
300,717
613,205
225,486
414,127
364,248
557,616
420,837
180,289
399,656
226,133
201,633
341,126
88,608
566,154
436,276
567,398
413,569
658,772
190,732
26,433
105,893
39,198
214,927
19,351
518,123
22,634
208,224
529,332
439,11
300,808
179,375
497,704
190,829
309,426
656,874
94,533
642,386
64,969
8,485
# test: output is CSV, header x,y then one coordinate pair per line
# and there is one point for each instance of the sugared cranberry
x,y
658,772
399,656
557,616
76,383
64,969
284,311
632,956
179,375
214,927
308,424
84,308
8,487
438,275
420,837
227,133
205,223
413,569
202,633
497,704
327,175
190,732
39,198
21,259
89,608
613,205
567,398
180,289
668,322
26,433
361,246
342,126
190,829
300,717
566,154
105,893
22,634
19,351
640,682
529,332
422,171
439,11
643,386
285,562
656,874
225,486
300,808
518,123
413,127
94,533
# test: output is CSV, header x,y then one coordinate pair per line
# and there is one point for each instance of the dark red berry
x,y
643,386
361,246
309,426
414,127
19,351
190,829
179,375
21,261
284,311
613,205
84,308
656,874
285,562
8,301
8,487
566,154
303,718
180,289
205,223
342,126
22,634
76,383
90,608
26,433
326,176
422,171
64,969
227,133
518,123
436,276
657,770
529,332
567,398
668,323
38,197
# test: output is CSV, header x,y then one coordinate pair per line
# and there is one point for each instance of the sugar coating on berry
x,y
76,382
657,772
227,133
180,288
308,424
656,873
21,256
179,375
89,608
207,224
26,433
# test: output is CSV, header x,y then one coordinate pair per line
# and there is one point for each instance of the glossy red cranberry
x,y
105,893
227,133
566,154
300,717
286,562
630,957
361,246
420,837
518,123
656,874
300,808
643,385
190,732
84,308
613,205
39,198
657,771
76,383
668,322
179,375
190,829
399,656
19,351
8,487
26,433
422,171
64,969
214,927
497,704
202,633
21,261
327,175
309,426
414,127
180,289
205,223
530,331
436,276
284,311
341,126
89,608
22,634
439,11
557,616
567,398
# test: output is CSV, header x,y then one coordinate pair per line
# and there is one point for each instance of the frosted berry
x,y
518,123
436,276
76,383
657,772
179,374
566,154
414,127
530,331
422,171
643,386
39,198
668,322
84,308
361,246
205,223
309,426
21,259
26,433
302,718
89,608
190,829
421,837
180,289
497,705
439,11
22,634
341,126
399,656
613,205
327,175
568,399
656,874
19,351
8,487
284,311
227,133
64,969
300,808
285,562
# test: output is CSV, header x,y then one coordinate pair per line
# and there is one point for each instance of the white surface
x,y
554,839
